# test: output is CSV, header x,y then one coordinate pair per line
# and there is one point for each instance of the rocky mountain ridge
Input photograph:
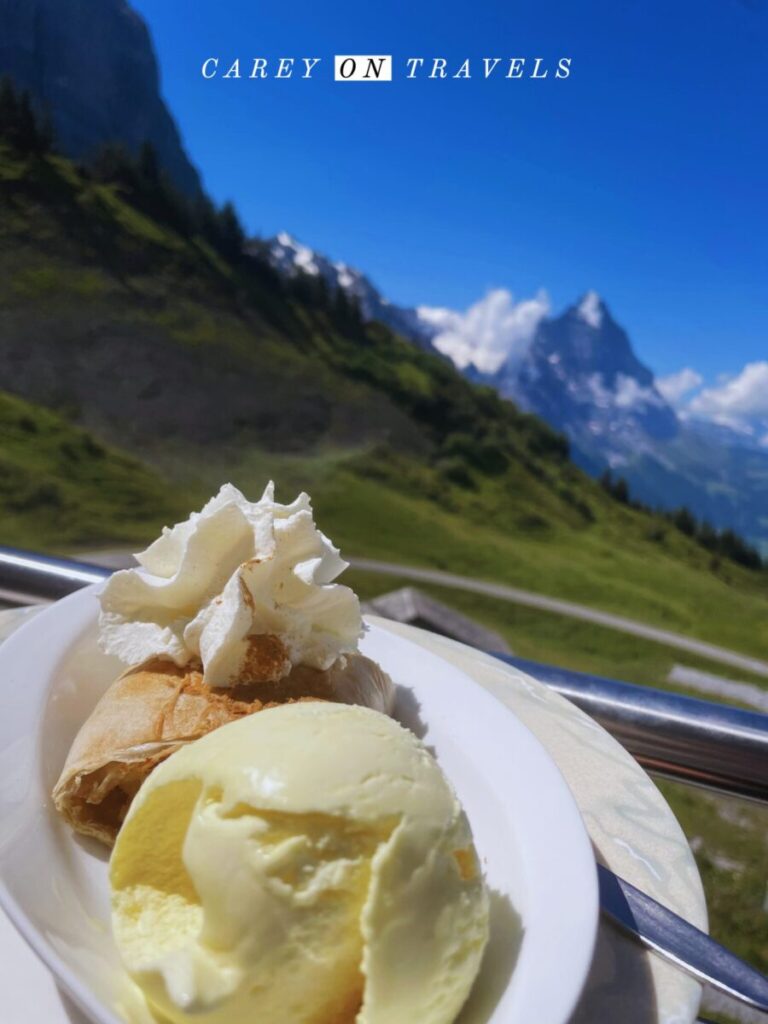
x,y
290,257
581,375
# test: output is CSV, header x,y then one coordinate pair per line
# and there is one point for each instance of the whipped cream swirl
x,y
245,587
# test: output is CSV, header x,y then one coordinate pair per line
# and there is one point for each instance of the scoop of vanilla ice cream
x,y
307,865
246,587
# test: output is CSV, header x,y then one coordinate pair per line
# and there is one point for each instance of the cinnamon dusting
x,y
265,661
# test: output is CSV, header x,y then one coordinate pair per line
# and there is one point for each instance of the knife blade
x,y
675,939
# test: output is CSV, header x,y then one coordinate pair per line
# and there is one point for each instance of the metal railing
x,y
682,738
27,578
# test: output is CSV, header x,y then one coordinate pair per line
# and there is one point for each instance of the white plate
x,y
528,830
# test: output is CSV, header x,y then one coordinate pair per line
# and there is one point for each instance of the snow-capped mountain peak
x,y
581,374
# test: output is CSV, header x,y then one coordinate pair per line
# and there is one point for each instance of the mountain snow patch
x,y
288,254
630,393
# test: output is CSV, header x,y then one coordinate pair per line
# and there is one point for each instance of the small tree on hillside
x,y
684,521
230,231
20,124
9,108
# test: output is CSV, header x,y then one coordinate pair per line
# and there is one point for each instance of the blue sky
x,y
643,175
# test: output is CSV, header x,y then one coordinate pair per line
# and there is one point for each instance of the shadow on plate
x,y
92,846
407,711
498,964
620,984
74,1014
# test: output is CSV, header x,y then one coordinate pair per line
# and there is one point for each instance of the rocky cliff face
x,y
582,376
91,65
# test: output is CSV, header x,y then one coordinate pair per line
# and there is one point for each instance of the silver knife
x,y
678,941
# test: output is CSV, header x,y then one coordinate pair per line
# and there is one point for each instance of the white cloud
x,y
491,331
743,397
678,386
590,310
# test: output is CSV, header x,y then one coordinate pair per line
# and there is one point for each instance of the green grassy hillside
x,y
61,486
189,366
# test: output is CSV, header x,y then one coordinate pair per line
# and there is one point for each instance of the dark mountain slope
x,y
145,334
91,65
